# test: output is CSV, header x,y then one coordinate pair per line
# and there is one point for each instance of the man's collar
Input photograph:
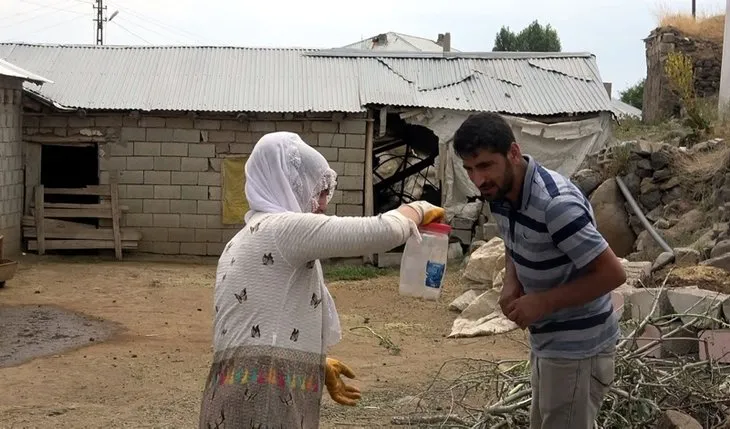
x,y
526,191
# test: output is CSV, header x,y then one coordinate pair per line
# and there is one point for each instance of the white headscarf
x,y
284,174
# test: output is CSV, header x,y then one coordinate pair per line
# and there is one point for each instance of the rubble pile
x,y
684,194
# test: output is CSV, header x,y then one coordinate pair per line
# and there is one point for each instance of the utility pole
x,y
694,8
100,20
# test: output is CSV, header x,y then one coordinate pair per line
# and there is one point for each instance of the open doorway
x,y
67,166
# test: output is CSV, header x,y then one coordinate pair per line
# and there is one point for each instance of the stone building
x,y
173,126
660,102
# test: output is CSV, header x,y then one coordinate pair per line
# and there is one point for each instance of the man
x,y
559,273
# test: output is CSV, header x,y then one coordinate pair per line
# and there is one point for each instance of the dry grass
x,y
708,26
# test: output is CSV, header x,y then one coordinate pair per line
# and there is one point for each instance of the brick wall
x,y
11,164
169,170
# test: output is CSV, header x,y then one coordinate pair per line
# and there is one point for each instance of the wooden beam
x,y
383,121
368,182
116,218
72,140
82,233
80,244
100,190
39,217
32,173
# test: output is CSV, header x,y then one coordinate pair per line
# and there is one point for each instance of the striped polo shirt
x,y
551,237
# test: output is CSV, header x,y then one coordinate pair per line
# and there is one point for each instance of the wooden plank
x,y
84,233
32,173
103,206
116,217
39,216
101,190
368,182
57,223
77,213
80,244
77,140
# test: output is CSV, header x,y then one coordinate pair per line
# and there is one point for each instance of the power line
x,y
132,32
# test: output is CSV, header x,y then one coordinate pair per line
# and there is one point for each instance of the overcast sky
x,y
611,29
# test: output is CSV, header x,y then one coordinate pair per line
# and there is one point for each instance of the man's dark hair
x,y
483,131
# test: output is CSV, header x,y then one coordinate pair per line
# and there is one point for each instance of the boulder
x,y
686,257
720,249
722,261
659,160
696,301
482,317
475,245
672,419
612,219
485,262
661,261
587,180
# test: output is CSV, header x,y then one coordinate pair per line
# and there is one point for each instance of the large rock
x,y
722,261
690,301
482,317
485,262
587,180
612,219
720,249
672,419
686,257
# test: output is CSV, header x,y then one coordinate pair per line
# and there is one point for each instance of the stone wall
x,y
11,163
169,169
659,100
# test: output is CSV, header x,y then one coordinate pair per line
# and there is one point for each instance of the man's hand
x,y
338,390
510,292
528,309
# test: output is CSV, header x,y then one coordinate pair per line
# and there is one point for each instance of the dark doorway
x,y
69,167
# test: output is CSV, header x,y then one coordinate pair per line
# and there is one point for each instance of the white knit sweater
x,y
269,288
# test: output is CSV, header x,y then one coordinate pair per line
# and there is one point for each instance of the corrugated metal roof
x,y
621,109
226,79
11,70
398,42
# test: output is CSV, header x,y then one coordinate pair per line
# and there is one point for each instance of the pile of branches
x,y
482,394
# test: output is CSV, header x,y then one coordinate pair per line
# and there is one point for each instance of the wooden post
x,y
39,219
32,173
368,182
116,215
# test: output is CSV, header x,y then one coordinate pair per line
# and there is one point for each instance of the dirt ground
x,y
142,344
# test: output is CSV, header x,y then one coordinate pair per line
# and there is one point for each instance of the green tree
x,y
634,95
533,38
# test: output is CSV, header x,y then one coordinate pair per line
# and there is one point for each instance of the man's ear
x,y
514,153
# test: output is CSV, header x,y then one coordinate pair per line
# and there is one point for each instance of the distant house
x,y
174,125
398,42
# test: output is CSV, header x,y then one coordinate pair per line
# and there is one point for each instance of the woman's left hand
x,y
338,390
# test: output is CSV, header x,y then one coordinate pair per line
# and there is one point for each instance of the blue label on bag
x,y
434,274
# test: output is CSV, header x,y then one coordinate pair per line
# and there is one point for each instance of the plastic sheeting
x,y
561,147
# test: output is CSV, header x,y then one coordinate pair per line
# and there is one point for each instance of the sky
x,y
612,30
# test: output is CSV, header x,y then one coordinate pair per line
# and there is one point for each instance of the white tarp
x,y
561,147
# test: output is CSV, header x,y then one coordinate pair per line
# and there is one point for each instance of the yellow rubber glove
x,y
338,390
429,212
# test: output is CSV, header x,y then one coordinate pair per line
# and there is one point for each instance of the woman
x,y
274,317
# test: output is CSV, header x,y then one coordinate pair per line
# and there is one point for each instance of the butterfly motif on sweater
x,y
268,259
315,301
242,296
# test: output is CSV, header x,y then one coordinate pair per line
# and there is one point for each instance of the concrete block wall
x,y
11,164
169,170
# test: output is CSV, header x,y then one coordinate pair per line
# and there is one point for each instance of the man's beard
x,y
503,190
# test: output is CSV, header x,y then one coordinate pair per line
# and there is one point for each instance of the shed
x,y
173,125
